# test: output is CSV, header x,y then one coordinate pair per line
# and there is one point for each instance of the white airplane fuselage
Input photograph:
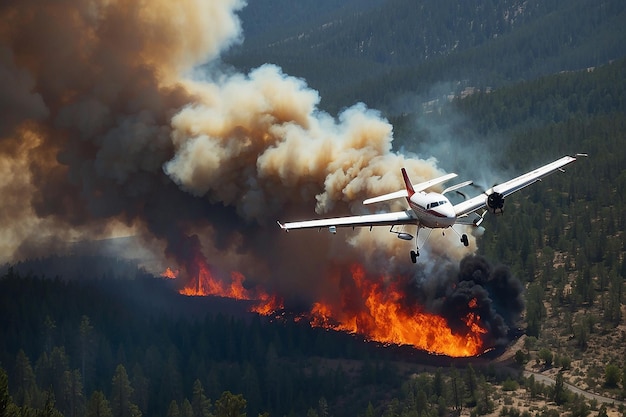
x,y
432,210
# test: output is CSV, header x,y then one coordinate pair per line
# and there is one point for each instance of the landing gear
x,y
415,253
464,240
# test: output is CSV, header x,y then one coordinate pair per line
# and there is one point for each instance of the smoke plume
x,y
104,129
492,292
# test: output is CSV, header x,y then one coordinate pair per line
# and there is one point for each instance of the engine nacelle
x,y
495,202
405,236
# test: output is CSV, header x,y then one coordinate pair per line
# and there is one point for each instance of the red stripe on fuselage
x,y
431,218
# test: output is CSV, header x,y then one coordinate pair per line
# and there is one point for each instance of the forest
x,y
351,56
105,343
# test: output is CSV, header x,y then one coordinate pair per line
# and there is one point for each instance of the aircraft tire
x,y
414,256
464,240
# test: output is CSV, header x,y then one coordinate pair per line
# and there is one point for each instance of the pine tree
x,y
560,396
456,387
200,404
85,332
470,377
27,392
186,410
173,410
230,405
5,398
121,394
73,394
98,406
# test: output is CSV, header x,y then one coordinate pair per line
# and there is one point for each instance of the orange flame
x,y
382,318
170,274
205,284
369,307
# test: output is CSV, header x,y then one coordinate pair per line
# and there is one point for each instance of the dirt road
x,y
544,379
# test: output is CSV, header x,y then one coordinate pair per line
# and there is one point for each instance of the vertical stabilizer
x,y
407,182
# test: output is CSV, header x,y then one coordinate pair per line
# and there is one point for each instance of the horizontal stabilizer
x,y
424,185
456,187
387,197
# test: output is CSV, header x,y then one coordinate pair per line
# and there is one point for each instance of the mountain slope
x,y
403,45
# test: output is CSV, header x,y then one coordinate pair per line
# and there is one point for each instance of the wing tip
x,y
282,226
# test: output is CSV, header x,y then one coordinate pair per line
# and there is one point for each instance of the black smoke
x,y
478,287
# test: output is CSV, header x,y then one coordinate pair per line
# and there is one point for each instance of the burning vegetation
x,y
458,319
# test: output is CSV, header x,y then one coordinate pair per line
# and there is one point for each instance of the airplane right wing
x,y
494,197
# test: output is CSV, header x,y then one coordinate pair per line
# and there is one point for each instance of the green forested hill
x,y
407,46
269,21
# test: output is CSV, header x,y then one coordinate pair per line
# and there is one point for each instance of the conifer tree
x,y
27,392
98,406
121,394
200,404
230,405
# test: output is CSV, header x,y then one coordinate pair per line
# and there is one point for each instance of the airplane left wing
x,y
494,197
382,219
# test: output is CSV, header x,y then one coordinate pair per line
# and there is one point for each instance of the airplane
x,y
433,210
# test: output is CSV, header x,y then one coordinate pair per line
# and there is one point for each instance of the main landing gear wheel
x,y
414,255
464,240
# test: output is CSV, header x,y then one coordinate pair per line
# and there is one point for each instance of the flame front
x,y
203,283
383,317
373,308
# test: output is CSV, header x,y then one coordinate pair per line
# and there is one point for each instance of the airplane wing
x,y
465,210
382,219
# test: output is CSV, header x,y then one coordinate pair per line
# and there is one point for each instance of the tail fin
x,y
407,182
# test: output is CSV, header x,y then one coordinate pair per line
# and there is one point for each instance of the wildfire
x,y
203,283
383,318
368,307
170,274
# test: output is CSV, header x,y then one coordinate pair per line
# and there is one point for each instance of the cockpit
x,y
435,204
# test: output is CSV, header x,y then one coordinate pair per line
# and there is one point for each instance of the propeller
x,y
495,200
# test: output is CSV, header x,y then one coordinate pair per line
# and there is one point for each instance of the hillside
x,y
402,47
563,238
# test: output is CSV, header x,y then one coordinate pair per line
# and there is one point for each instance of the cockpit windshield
x,y
435,204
